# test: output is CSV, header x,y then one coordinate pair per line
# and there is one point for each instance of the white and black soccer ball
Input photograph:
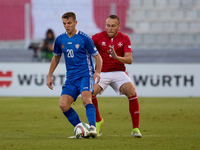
x,y
81,130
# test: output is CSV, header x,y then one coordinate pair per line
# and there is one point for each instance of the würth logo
x,y
5,78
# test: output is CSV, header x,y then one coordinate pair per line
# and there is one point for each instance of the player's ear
x,y
76,22
119,26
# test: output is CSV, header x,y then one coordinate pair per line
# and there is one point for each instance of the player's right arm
x,y
54,63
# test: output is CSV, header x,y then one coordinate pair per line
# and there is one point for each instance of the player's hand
x,y
96,77
50,83
112,52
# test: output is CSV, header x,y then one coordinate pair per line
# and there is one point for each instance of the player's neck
x,y
113,36
72,33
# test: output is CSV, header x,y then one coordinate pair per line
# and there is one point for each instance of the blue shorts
x,y
74,87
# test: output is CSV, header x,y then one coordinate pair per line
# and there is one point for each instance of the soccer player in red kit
x,y
115,50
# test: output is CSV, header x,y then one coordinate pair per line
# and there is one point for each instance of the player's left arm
x,y
98,67
127,59
93,51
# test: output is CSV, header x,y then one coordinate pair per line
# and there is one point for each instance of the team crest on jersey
x,y
77,46
63,46
120,44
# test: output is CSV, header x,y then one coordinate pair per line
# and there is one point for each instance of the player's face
x,y
70,25
112,27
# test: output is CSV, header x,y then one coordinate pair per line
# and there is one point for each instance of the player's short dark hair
x,y
69,15
114,17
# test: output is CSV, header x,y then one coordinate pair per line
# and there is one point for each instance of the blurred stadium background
x,y
165,36
160,30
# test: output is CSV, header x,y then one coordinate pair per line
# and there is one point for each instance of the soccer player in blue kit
x,y
77,48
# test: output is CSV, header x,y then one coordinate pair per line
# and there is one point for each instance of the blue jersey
x,y
77,51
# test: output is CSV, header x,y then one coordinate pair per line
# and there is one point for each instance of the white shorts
x,y
115,79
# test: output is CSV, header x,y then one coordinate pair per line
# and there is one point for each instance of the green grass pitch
x,y
37,123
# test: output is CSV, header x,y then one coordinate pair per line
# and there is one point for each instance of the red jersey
x,y
122,44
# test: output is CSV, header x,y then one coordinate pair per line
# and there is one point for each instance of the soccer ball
x,y
81,130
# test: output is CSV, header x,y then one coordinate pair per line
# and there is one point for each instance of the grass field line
x,y
154,135
115,135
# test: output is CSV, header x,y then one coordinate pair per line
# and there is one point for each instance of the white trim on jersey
x,y
57,54
89,62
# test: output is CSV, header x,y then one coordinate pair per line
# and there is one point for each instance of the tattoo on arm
x,y
57,59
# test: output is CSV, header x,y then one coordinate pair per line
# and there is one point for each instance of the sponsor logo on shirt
x,y
69,43
103,44
129,46
85,88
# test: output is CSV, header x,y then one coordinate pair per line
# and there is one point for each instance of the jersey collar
x,y
74,34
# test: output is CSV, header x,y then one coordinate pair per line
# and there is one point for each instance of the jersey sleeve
x,y
91,47
127,45
57,50
94,39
